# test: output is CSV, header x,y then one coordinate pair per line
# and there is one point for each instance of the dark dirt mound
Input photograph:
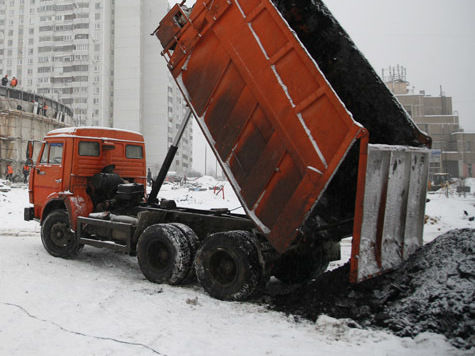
x,y
434,290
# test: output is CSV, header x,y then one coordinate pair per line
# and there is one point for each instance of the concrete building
x,y
451,146
98,58
145,96
21,120
463,153
61,49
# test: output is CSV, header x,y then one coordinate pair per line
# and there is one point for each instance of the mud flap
x,y
389,213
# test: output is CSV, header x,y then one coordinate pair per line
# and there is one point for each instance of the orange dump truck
x,y
298,159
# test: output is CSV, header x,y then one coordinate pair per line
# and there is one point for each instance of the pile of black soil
x,y
434,290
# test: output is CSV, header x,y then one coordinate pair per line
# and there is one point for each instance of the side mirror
x,y
29,151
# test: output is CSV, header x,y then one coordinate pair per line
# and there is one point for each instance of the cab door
x,y
49,174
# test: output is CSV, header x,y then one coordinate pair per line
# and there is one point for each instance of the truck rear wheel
x,y
57,237
163,253
194,244
227,265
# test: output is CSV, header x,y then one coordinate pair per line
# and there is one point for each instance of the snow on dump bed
x,y
434,291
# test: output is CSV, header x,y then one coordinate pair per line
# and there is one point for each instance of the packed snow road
x,y
100,303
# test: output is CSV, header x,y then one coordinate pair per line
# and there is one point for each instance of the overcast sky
x,y
433,39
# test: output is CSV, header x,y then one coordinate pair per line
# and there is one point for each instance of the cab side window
x,y
89,148
52,153
133,151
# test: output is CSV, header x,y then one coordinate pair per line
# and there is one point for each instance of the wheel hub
x,y
159,255
60,235
223,267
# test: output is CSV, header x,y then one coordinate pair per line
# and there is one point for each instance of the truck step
x,y
115,235
107,244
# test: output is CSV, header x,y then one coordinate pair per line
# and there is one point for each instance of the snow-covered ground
x,y
101,304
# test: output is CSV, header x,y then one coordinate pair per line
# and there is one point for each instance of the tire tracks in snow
x,y
106,338
19,233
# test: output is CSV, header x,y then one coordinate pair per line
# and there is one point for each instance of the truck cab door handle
x,y
58,180
41,173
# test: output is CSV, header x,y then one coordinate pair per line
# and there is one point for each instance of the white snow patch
x,y
100,303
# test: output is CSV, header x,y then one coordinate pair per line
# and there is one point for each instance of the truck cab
x,y
69,163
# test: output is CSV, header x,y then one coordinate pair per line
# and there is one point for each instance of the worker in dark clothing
x,y
5,80
26,173
149,177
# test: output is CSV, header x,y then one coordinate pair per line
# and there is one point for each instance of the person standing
x,y
13,82
5,80
26,173
45,109
149,177
9,175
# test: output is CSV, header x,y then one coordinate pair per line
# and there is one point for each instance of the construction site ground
x,y
432,291
100,303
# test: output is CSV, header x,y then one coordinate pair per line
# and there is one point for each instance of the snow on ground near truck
x,y
100,303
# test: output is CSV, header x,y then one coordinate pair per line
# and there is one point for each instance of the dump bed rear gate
x,y
390,209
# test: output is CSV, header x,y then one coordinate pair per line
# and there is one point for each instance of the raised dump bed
x,y
281,128
276,125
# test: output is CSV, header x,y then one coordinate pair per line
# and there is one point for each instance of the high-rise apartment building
x,y
60,49
145,96
98,58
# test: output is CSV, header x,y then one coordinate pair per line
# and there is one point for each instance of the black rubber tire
x,y
163,253
194,245
57,237
227,266
296,268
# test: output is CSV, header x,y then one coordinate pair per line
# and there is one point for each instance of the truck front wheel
x,y
227,265
163,253
57,237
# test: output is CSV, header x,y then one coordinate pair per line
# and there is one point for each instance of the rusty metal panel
x,y
275,124
393,209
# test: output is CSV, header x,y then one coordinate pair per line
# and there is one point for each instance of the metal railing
x,y
30,97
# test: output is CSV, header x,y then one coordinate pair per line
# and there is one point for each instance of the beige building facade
x,y
22,119
453,150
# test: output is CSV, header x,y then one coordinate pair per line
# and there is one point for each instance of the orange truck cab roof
x,y
97,132
123,148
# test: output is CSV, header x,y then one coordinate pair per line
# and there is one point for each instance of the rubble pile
x,y
434,290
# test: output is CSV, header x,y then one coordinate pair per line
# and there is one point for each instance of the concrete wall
x,y
440,105
16,129
465,144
